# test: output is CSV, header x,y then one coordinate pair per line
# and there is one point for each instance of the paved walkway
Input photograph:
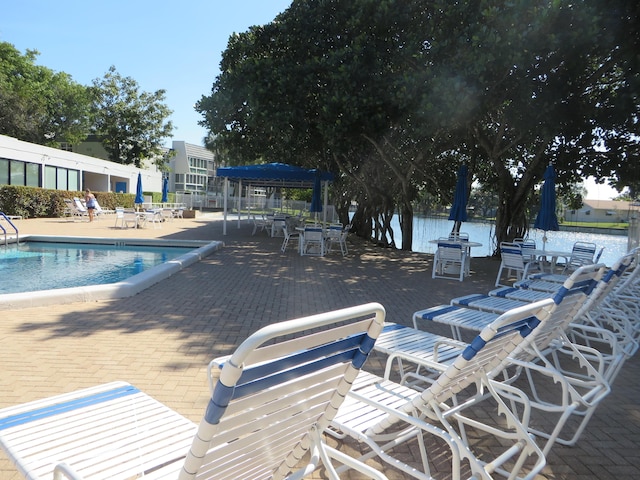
x,y
161,339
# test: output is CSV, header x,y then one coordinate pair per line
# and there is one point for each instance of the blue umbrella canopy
x,y
547,219
139,195
316,198
458,211
165,190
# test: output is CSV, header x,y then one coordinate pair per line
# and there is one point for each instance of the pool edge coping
x,y
126,288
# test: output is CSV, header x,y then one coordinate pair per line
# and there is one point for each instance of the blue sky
x,y
170,45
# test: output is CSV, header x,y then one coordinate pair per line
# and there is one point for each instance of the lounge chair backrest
x,y
486,355
582,253
568,303
79,205
512,255
267,398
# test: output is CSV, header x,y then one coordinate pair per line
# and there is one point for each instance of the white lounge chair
x,y
269,406
579,390
435,422
73,211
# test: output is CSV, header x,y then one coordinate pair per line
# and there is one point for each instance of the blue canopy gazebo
x,y
272,175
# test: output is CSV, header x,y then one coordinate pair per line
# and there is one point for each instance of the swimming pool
x,y
45,270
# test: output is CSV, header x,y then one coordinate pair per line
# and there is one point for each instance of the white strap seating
x,y
269,404
450,260
386,415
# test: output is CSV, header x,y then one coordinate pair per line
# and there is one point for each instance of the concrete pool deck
x,y
162,338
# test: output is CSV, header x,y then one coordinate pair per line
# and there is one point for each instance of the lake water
x,y
425,229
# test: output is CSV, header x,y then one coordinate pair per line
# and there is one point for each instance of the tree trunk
x,y
406,225
511,220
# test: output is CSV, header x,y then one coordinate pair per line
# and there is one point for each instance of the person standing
x,y
90,202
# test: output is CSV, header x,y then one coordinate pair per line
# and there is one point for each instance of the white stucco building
x,y
29,164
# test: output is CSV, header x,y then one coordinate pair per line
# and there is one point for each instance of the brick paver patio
x,y
162,339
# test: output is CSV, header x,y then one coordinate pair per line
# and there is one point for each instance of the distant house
x,y
603,211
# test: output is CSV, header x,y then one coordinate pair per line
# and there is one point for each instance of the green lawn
x,y
621,225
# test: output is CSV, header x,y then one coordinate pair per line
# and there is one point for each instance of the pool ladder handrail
x,y
4,230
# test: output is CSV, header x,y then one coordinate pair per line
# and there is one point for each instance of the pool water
x,y
34,266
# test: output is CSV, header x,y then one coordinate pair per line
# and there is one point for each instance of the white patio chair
x,y
459,236
155,217
450,260
288,236
259,222
270,403
437,421
336,234
312,241
513,262
126,218
277,225
582,253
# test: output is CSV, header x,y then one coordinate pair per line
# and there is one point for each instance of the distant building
x,y
33,165
603,211
192,168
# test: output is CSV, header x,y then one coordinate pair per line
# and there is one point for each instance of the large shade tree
x,y
396,95
131,124
37,104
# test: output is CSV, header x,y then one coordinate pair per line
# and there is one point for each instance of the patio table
x,y
549,257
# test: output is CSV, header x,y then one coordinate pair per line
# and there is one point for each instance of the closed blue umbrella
x,y
165,190
139,196
547,219
458,211
316,196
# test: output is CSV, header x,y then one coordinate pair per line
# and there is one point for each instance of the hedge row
x,y
35,202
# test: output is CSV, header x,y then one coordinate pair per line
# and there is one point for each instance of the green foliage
x,y
37,104
131,124
33,202
395,95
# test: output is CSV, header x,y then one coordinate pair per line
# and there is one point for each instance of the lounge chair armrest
x,y
328,453
62,470
446,343
419,362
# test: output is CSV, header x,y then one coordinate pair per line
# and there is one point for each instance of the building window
x,y
16,173
33,174
4,171
57,178
74,180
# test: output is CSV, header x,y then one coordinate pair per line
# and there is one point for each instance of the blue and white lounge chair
x,y
579,390
435,421
269,406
